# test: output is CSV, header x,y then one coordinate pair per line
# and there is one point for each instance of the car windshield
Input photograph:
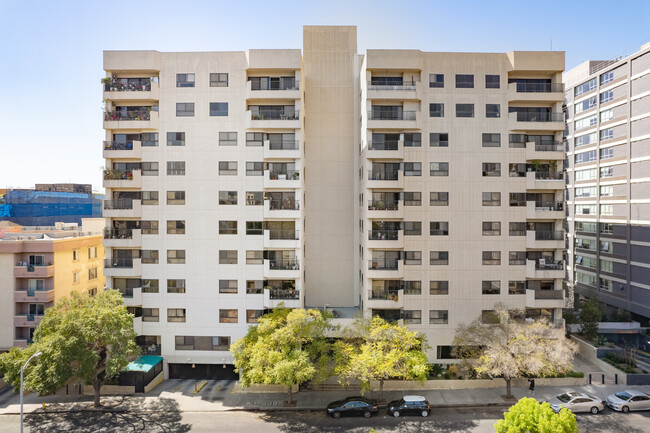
x,y
564,398
623,395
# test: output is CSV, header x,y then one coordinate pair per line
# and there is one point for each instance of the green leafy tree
x,y
527,415
590,314
512,348
84,338
373,349
288,347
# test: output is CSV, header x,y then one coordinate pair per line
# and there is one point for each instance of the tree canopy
x,y
511,347
527,415
86,338
590,314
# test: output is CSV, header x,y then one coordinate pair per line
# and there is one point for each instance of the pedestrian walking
x,y
531,386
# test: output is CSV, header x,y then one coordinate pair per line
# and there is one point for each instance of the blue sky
x,y
51,53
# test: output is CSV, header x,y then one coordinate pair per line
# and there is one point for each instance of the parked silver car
x,y
577,402
628,400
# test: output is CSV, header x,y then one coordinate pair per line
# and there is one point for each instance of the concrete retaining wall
x,y
257,388
155,382
405,385
110,390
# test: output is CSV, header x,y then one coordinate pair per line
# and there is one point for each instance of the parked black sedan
x,y
352,406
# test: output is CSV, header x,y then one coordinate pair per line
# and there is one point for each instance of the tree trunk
x,y
97,386
508,386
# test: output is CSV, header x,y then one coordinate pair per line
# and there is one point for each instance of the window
x,y
491,228
464,81
585,87
92,292
607,153
412,287
92,273
176,168
227,227
184,109
584,140
439,257
606,209
228,168
606,115
516,287
606,247
464,110
585,227
492,81
149,286
255,139
175,286
254,257
436,80
254,228
176,227
412,169
438,317
606,134
150,314
75,277
227,316
175,197
492,111
606,191
227,257
439,139
588,156
491,140
149,227
491,199
412,257
606,96
228,197
491,287
588,191
218,108
439,169
219,80
412,199
606,266
413,139
412,317
585,105
253,315
176,314
438,287
75,255
585,209
92,252
175,139
227,139
228,287
588,174
517,257
412,228
184,80
176,257
254,198
491,169
254,169
517,199
254,287
491,257
149,257
606,172
149,197
436,110
149,168
606,77
517,228
439,228
439,199
586,122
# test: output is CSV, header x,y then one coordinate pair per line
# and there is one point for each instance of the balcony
x,y
286,89
282,150
21,342
385,239
389,149
33,271
544,151
545,180
130,150
130,89
136,119
282,269
535,92
132,297
386,299
385,209
544,298
524,121
545,211
137,325
274,121
125,238
32,295
392,120
385,179
27,320
535,269
380,269
281,179
274,297
281,239
122,208
122,179
548,240
383,89
122,267
281,209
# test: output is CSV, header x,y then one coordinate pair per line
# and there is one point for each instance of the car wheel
x,y
367,414
336,415
625,409
396,414
425,413
594,410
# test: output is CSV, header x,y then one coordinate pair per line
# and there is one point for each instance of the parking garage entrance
x,y
203,371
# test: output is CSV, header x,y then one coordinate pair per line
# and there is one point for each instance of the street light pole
x,y
21,387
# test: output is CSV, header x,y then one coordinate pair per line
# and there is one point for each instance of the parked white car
x,y
628,400
577,402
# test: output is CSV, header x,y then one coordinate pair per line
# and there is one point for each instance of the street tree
x,y
85,338
511,347
590,314
374,349
527,415
287,347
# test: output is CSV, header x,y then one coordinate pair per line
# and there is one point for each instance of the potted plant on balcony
x,y
296,175
282,175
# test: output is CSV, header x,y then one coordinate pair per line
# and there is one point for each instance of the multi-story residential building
x,y
608,186
38,267
424,187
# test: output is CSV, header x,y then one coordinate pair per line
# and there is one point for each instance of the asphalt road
x,y
441,420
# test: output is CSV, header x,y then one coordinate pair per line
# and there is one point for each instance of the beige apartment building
x,y
41,265
423,187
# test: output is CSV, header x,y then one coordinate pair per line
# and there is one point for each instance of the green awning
x,y
144,363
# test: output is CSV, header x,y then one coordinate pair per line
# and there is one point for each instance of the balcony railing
x,y
128,115
549,175
284,294
544,265
113,233
118,175
283,234
383,235
282,84
118,263
273,115
552,206
32,291
121,203
380,115
284,175
384,145
549,294
383,263
284,205
549,147
284,145
540,87
549,236
379,84
284,264
387,295
128,85
390,204
383,174
524,116
115,145
127,292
